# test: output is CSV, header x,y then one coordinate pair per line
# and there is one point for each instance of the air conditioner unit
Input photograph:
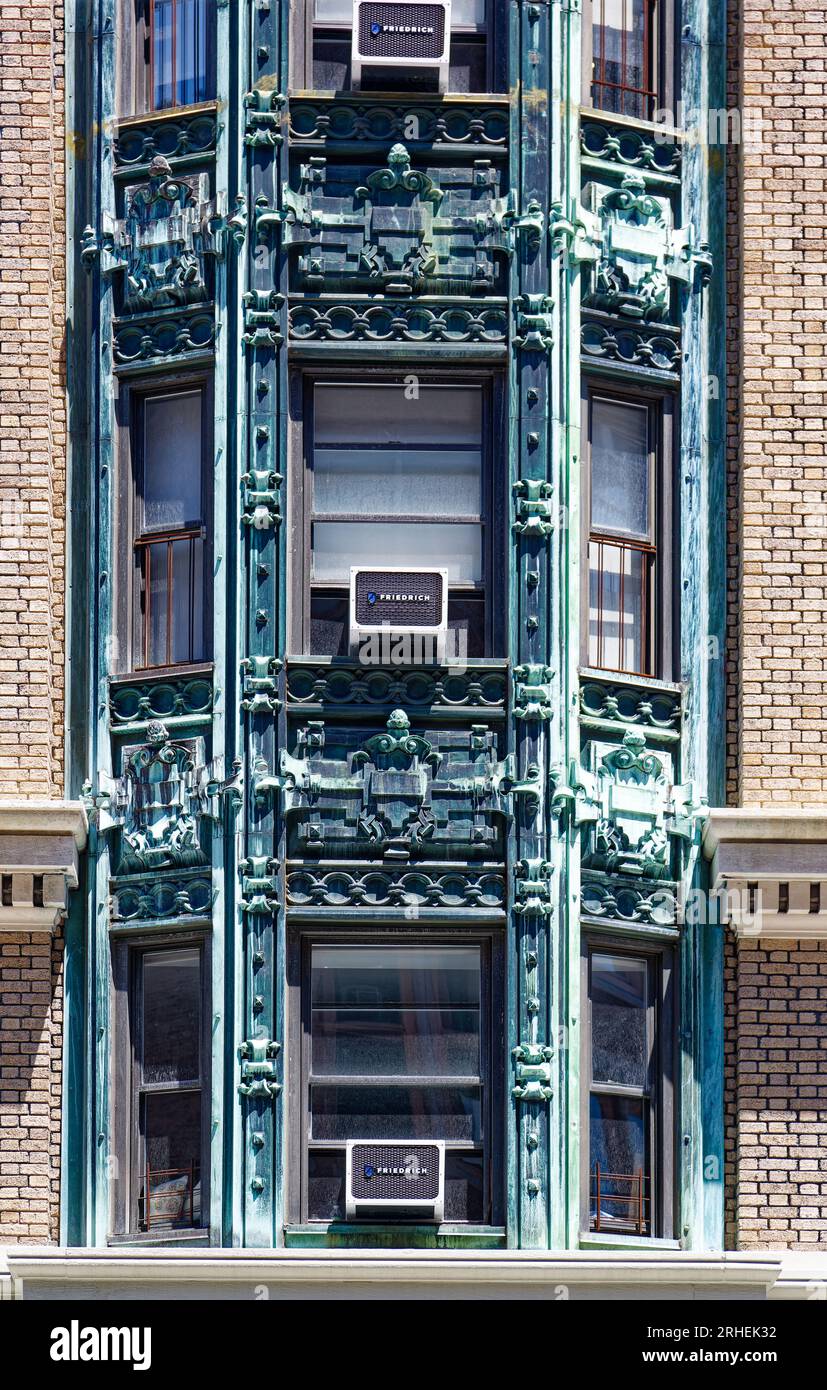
x,y
395,1178
397,600
394,40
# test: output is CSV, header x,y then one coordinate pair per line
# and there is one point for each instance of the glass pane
x,y
620,998
171,1016
621,39
162,85
377,977
329,625
421,1042
619,1178
617,635
339,544
341,12
187,599
172,461
464,1193
331,65
395,1112
467,71
191,51
383,414
157,591
326,1186
466,621
172,1131
385,482
620,469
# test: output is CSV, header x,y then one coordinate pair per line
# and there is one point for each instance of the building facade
x,y
548,891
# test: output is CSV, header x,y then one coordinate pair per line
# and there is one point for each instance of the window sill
x,y
594,1240
333,1234
139,1239
186,669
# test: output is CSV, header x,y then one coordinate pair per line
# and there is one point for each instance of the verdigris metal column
x,y
263,33
533,626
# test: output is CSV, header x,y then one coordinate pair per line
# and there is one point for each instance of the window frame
x,y
664,598
130,405
665,61
127,956
492,31
139,66
493,508
662,965
491,941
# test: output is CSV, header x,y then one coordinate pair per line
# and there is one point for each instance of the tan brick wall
x,y
781,1094
32,539
32,411
31,1023
783,395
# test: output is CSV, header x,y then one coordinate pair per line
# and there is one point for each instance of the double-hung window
x,y
175,53
397,1044
622,47
395,475
162,1096
170,533
629,1050
627,581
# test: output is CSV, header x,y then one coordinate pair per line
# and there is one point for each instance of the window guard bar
x,y
636,1195
645,96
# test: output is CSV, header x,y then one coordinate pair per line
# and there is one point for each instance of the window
x,y
330,24
623,50
397,1043
392,479
162,1095
628,1185
175,53
170,617
627,514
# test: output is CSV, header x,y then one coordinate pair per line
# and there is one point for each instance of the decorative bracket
x,y
689,263
535,325
532,889
527,226
261,502
532,1066
260,685
262,119
530,786
258,886
258,1069
261,319
237,224
534,514
532,692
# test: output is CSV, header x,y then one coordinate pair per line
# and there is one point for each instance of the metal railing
x,y
634,1200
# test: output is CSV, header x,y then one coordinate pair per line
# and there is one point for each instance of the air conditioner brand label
x,y
398,599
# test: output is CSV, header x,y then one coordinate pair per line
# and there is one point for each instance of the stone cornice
x,y
769,870
51,1269
38,816
40,841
